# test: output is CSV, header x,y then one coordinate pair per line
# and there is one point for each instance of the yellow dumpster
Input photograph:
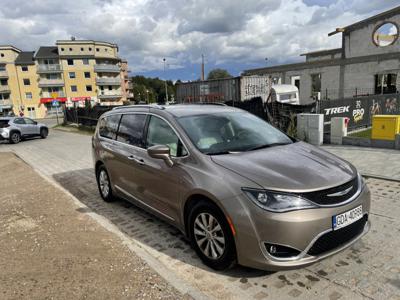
x,y
385,127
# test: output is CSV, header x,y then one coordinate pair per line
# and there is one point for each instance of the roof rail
x,y
139,106
207,103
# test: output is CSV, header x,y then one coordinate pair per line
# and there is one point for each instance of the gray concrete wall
x,y
359,42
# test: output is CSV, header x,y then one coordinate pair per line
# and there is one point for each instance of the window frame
x,y
76,88
72,75
173,129
144,131
116,132
26,81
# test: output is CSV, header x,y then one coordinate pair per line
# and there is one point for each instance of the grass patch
x,y
76,129
366,134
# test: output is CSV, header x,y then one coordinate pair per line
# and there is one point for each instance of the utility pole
x,y
166,86
202,67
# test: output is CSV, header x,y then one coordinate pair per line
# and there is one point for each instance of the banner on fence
x,y
360,110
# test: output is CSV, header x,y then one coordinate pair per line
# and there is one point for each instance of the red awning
x,y
49,100
75,99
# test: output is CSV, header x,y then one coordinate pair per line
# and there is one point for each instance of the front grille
x,y
335,239
322,198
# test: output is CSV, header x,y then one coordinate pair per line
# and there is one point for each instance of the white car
x,y
15,129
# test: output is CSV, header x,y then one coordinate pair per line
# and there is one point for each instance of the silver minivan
x,y
239,189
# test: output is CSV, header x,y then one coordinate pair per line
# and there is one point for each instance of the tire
x,y
104,184
44,132
15,137
219,241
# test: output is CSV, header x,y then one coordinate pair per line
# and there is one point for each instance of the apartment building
x,y
75,72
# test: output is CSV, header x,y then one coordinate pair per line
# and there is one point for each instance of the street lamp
x,y
166,87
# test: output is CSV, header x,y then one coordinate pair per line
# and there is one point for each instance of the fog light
x,y
281,251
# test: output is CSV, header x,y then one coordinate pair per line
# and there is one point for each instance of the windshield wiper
x,y
267,146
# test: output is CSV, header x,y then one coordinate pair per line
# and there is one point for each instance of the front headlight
x,y
277,202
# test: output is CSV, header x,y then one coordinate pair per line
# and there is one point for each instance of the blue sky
x,y
232,34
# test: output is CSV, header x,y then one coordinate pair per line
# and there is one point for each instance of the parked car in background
x,y
238,188
14,129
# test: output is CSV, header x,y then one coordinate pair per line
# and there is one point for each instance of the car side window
x,y
108,126
131,129
29,121
19,121
160,133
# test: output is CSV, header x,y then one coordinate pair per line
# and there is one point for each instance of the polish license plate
x,y
347,218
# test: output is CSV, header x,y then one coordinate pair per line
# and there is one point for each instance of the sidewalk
x,y
51,248
370,161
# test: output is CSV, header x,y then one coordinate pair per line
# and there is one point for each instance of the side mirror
x,y
161,152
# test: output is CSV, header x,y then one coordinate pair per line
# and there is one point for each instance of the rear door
x,y
129,148
22,126
31,126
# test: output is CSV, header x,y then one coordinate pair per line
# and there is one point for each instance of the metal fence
x,y
359,110
85,116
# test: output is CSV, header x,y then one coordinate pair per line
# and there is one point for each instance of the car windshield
x,y
228,132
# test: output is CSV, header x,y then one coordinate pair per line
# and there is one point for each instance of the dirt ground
x,y
51,249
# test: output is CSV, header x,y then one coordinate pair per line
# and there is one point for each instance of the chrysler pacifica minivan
x,y
239,189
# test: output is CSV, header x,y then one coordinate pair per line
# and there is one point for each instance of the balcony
x,y
51,82
7,103
4,89
50,94
110,95
106,68
108,81
49,68
3,74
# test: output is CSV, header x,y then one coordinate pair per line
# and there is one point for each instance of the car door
x,y
31,126
22,126
161,185
128,176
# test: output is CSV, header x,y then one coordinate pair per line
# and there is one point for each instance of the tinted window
x,y
19,121
131,130
160,133
3,123
108,126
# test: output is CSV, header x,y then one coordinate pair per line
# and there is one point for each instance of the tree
x,y
218,74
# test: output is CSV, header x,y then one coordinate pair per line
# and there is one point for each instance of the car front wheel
x,y
211,236
44,132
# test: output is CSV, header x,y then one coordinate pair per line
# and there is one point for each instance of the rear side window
x,y
19,121
4,123
108,126
131,129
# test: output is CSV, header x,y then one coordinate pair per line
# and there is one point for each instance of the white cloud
x,y
226,31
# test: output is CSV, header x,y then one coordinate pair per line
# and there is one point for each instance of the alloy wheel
x,y
15,138
104,183
209,236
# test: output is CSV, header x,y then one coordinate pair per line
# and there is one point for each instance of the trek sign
x,y
337,110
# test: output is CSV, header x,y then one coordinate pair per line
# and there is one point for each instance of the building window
x,y
97,49
276,80
110,88
2,68
72,75
70,62
316,85
90,49
87,74
106,49
82,49
74,88
3,82
28,95
385,83
85,61
295,80
70,49
385,34
27,81
62,49
24,68
89,88
2,54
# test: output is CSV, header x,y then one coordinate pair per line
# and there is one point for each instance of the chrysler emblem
x,y
341,193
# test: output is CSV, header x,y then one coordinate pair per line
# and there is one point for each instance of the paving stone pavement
x,y
370,269
371,161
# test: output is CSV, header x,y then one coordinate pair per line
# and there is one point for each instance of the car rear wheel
x,y
211,236
104,184
15,137
44,132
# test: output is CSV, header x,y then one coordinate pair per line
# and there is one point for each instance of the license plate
x,y
347,218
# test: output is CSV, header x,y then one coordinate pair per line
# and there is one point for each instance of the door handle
x,y
137,160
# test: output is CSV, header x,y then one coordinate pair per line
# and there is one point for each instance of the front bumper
x,y
299,230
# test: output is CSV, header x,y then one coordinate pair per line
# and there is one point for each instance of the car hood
x,y
298,167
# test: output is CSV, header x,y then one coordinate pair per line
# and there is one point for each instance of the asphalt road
x,y
369,269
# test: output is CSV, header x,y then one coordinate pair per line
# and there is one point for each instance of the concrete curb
x,y
133,245
379,177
